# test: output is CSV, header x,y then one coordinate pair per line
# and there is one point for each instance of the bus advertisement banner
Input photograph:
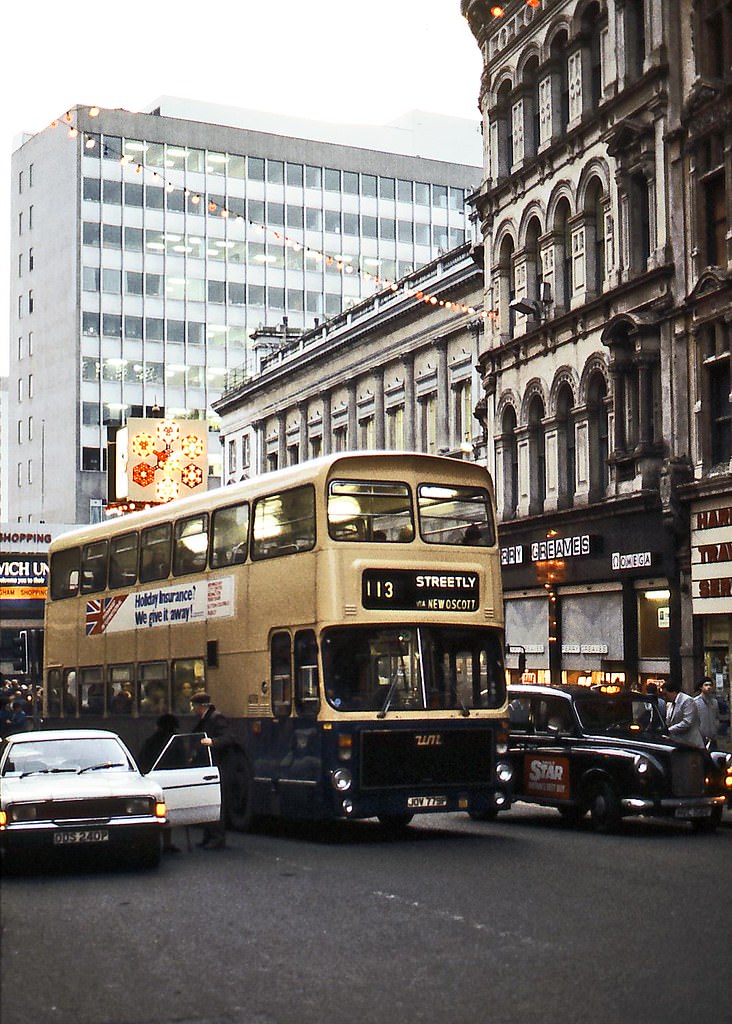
x,y
161,606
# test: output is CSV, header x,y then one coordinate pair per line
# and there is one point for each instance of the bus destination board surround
x,y
420,590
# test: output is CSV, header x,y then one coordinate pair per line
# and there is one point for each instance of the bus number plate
x,y
426,801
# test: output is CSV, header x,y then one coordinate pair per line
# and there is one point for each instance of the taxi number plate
x,y
693,812
81,835
426,801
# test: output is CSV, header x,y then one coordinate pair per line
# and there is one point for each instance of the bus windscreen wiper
x,y
389,696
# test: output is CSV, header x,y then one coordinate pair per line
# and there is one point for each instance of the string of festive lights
x,y
342,266
500,12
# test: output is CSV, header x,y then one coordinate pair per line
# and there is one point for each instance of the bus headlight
x,y
504,772
341,780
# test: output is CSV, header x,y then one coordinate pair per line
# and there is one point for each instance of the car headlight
x,y
504,772
642,765
22,812
341,780
138,805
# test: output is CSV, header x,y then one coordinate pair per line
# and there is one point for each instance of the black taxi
x,y
585,750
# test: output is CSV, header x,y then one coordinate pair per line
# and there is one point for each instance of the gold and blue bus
x,y
345,614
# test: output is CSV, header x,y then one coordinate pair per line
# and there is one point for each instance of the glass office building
x,y
150,248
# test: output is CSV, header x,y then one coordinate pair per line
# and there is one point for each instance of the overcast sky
x,y
347,61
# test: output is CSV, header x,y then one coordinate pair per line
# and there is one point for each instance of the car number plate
x,y
426,801
72,837
693,812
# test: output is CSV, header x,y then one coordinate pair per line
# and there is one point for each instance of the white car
x,y
80,789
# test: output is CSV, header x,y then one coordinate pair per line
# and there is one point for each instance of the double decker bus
x,y
345,614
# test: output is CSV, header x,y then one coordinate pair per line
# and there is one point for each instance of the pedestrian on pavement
x,y
151,749
682,716
166,726
708,708
223,745
652,691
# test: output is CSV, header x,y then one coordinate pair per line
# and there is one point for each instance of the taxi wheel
x,y
709,824
490,815
395,822
239,801
604,808
572,814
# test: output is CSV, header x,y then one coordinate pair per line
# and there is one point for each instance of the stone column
x,y
379,413
410,408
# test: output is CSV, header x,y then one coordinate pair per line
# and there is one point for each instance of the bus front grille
x,y
425,757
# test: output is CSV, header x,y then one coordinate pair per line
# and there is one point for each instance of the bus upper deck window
x,y
155,553
229,535
123,560
190,549
94,567
284,523
455,515
65,573
377,511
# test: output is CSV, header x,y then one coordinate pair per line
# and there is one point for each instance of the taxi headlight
x,y
501,747
642,765
504,772
341,780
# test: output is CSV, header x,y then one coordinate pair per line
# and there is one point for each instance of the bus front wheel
x,y
239,802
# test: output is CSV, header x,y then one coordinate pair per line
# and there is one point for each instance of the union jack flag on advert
x,y
100,612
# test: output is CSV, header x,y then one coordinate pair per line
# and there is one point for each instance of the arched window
x,y
530,98
537,456
640,223
634,28
533,259
595,236
504,134
563,269
598,435
510,463
594,29
566,446
558,52
506,286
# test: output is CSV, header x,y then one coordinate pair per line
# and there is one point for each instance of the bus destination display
x,y
420,590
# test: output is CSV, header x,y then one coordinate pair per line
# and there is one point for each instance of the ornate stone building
x,y
605,216
397,371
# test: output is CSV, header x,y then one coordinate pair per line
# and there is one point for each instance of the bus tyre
x,y
395,823
604,808
239,802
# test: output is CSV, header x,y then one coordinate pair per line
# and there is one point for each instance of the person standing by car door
x,y
223,744
682,716
708,708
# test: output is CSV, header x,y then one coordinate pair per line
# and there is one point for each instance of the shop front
x,y
588,601
711,587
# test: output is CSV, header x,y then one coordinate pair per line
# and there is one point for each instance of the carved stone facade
x,y
605,215
391,373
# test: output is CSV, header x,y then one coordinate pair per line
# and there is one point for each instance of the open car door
x,y
189,779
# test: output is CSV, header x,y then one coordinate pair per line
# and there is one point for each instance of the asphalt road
x,y
519,920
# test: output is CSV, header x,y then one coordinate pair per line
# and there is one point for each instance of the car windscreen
x,y
621,715
65,755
